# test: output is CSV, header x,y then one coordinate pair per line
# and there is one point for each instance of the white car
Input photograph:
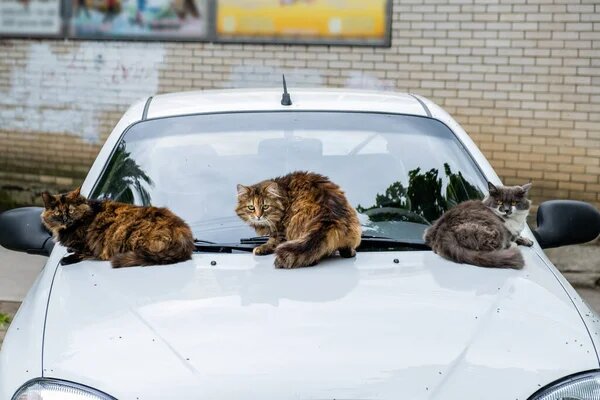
x,y
395,322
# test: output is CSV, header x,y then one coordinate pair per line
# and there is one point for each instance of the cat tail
x,y
128,259
160,253
307,250
451,249
429,235
141,258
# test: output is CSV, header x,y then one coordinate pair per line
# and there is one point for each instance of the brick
x,y
558,176
575,151
586,161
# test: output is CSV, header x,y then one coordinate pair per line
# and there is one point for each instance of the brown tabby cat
x,y
125,234
484,233
304,208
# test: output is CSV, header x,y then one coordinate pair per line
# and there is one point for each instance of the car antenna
x,y
285,99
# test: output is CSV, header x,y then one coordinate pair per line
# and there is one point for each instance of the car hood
x,y
384,325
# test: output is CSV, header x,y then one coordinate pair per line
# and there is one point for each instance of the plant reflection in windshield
x,y
422,200
124,179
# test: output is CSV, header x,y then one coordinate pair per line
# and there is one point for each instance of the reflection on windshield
x,y
124,180
422,200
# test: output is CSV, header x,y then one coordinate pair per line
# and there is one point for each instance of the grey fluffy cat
x,y
486,232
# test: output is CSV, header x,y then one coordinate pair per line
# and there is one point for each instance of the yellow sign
x,y
303,19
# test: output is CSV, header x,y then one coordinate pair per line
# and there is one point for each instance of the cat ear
x,y
526,187
273,189
492,188
49,201
74,194
242,190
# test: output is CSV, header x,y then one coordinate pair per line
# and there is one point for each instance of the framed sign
x,y
30,18
140,19
304,21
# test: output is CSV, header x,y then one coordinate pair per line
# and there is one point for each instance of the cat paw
x,y
263,250
525,242
71,259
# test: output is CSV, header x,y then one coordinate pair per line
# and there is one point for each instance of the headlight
x,y
53,389
578,387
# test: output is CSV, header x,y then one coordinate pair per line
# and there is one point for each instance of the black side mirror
x,y
21,229
564,222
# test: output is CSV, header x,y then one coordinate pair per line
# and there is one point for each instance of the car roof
x,y
231,100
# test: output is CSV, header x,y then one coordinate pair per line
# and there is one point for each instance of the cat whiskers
x,y
499,213
261,222
264,222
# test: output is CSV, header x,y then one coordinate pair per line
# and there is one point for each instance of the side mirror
x,y
21,229
564,222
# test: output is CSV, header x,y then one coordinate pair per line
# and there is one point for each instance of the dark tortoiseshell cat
x,y
306,216
125,234
484,233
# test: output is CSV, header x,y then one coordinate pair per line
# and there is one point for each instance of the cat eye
x,y
251,208
498,202
265,207
514,203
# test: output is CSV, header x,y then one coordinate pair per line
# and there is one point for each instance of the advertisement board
x,y
356,21
140,19
30,18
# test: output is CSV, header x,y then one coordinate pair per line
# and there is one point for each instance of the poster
x,y
144,19
30,17
303,20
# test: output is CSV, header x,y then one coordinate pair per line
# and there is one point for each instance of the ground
x,y
579,264
17,273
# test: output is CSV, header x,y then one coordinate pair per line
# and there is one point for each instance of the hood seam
x,y
46,317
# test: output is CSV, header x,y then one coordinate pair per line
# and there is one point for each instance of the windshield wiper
x,y
255,240
198,241
211,247
370,242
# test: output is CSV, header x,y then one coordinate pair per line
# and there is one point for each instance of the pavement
x,y
592,297
579,264
17,273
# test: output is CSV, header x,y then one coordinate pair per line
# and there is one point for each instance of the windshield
x,y
400,172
